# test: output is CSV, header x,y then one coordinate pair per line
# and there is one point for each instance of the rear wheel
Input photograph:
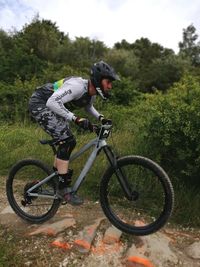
x,y
152,198
24,175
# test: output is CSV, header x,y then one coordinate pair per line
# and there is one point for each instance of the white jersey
x,y
66,93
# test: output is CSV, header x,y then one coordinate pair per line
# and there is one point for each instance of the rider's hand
x,y
84,124
104,121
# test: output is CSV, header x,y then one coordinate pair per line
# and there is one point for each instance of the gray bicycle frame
x,y
97,143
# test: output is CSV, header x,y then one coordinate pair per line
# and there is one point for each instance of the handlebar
x,y
103,130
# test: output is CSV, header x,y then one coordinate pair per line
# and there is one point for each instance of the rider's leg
x,y
62,161
58,128
61,165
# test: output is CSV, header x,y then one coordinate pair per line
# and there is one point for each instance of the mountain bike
x,y
136,194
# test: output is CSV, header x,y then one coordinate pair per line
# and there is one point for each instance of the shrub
x,y
170,134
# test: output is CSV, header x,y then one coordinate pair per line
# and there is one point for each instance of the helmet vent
x,y
99,70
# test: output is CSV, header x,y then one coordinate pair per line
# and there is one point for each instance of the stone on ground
x,y
85,237
193,251
112,235
54,228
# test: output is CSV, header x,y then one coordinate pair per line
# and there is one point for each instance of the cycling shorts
x,y
53,124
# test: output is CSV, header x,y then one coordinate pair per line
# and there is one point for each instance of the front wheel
x,y
151,201
24,175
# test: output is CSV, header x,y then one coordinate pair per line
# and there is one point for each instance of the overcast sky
x,y
110,21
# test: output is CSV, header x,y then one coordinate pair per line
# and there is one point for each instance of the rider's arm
x,y
60,97
91,109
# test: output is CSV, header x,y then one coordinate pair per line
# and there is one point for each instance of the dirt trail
x,y
83,237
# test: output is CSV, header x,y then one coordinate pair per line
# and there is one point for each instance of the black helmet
x,y
99,71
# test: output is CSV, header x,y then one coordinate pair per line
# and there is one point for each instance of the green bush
x,y
173,131
124,92
14,100
168,131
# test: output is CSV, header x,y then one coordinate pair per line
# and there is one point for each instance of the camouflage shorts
x,y
53,124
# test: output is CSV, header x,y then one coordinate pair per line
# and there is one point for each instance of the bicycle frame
x,y
99,143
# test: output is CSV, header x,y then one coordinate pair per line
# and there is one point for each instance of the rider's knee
x,y
65,148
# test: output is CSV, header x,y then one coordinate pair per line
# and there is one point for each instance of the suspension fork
x,y
121,177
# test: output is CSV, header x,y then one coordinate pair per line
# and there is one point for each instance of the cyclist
x,y
50,105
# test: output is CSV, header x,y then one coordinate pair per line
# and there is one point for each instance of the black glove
x,y
84,123
104,121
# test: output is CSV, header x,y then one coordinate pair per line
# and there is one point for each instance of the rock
x,y
7,210
138,262
28,263
84,240
54,228
59,242
193,251
112,235
136,258
158,248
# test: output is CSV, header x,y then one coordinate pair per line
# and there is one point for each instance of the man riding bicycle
x,y
50,107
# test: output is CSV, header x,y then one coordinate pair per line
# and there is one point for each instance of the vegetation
x,y
8,255
155,107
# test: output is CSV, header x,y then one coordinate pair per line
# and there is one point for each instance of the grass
x,y
186,208
18,142
8,256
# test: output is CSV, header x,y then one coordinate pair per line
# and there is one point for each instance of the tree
x,y
148,51
5,49
189,47
123,45
86,51
5,41
81,52
16,59
162,73
124,61
42,38
151,60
